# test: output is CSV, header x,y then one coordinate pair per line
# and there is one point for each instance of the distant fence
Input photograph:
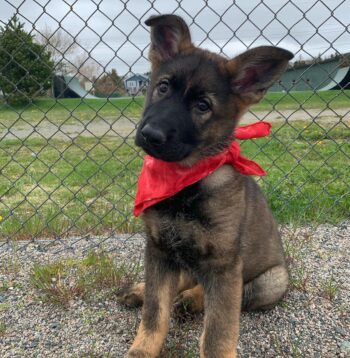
x,y
68,167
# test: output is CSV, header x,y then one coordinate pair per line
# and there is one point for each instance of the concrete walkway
x,y
125,127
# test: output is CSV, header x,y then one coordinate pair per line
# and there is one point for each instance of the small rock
x,y
32,344
341,331
345,346
55,325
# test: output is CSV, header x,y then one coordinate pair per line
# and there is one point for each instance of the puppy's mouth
x,y
168,151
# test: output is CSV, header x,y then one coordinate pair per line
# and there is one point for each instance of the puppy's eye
x,y
163,87
203,106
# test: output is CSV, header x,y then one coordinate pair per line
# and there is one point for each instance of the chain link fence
x,y
73,75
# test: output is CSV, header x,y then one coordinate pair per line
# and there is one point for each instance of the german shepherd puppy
x,y
215,244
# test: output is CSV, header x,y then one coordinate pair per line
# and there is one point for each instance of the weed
x,y
3,328
63,281
56,282
4,307
329,288
285,304
4,286
101,272
295,244
291,348
299,278
293,247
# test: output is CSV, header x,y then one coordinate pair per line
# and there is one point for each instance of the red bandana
x,y
160,180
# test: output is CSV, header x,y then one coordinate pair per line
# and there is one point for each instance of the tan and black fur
x,y
214,245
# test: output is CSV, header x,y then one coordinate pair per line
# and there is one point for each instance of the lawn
x,y
54,188
71,111
305,100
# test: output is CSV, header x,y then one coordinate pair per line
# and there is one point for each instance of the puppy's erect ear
x,y
169,36
255,70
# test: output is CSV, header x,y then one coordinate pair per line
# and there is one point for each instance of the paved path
x,y
124,127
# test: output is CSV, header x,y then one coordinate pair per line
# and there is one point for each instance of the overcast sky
x,y
115,33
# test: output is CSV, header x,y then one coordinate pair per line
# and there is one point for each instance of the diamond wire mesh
x,y
69,166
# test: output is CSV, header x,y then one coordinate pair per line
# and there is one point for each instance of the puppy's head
x,y
196,97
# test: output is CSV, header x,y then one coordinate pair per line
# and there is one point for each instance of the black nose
x,y
153,135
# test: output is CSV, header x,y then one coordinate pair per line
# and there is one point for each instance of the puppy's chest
x,y
181,226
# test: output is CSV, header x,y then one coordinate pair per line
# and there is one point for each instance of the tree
x,y
61,45
115,77
69,56
110,84
25,66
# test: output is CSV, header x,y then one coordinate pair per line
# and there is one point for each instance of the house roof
x,y
137,77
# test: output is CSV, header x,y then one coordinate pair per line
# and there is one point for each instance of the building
x,y
136,84
329,75
70,87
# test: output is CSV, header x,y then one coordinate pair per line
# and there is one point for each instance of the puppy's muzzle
x,y
153,136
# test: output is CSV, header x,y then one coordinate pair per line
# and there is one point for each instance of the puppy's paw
x,y
189,302
131,296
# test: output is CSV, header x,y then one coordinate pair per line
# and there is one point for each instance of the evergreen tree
x,y
115,77
25,66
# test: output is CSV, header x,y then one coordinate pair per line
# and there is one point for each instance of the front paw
x,y
131,296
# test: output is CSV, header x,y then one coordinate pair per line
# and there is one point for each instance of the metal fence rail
x,y
68,166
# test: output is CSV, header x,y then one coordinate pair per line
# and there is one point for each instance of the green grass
x,y
305,100
70,111
89,188
308,171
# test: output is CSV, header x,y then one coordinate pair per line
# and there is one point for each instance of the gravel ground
x,y
307,323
